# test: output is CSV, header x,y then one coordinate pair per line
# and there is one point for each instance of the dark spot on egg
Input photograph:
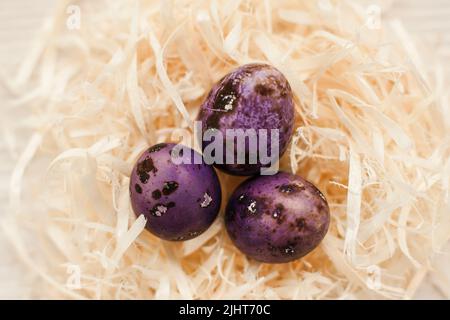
x,y
143,176
169,187
264,89
156,194
138,188
144,168
171,204
291,188
320,206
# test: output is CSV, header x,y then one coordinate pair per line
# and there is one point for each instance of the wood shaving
x,y
373,133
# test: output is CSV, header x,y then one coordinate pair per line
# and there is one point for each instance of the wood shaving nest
x,y
372,119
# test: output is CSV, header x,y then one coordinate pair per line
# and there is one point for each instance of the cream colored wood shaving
x,y
373,133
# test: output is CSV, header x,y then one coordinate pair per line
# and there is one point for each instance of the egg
x,y
180,199
252,98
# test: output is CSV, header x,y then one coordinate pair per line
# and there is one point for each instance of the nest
x,y
372,132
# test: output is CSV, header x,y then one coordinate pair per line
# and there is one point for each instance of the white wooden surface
x,y
19,23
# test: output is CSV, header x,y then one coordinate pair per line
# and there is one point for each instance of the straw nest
x,y
372,132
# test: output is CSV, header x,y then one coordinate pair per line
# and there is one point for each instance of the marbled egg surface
x,y
253,96
277,218
180,201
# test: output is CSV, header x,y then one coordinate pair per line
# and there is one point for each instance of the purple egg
x,y
278,218
180,201
254,96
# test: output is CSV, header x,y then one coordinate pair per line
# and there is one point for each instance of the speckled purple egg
x,y
253,96
180,201
278,218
